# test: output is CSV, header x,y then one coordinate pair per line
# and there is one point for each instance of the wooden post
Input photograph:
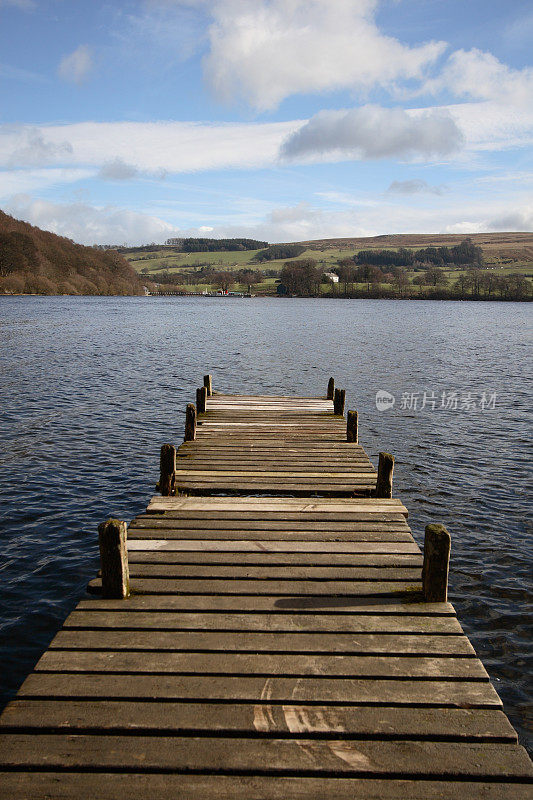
x,y
352,434
114,559
437,545
338,401
208,383
384,480
190,422
331,389
201,398
167,475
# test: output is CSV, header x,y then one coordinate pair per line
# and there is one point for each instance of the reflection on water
x,y
91,387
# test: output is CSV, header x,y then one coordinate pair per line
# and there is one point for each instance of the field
x,y
504,253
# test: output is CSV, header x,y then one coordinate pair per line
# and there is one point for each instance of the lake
x,y
91,387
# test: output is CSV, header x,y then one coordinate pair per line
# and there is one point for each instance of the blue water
x,y
91,388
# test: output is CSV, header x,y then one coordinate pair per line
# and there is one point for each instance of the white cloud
x,y
158,147
457,211
89,224
76,66
414,186
491,126
32,149
465,227
267,50
479,75
32,180
165,148
298,223
346,199
519,178
117,170
516,220
301,221
375,132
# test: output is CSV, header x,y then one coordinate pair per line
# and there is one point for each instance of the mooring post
x,y
339,399
352,434
331,389
201,399
190,423
114,559
208,383
167,474
437,543
384,480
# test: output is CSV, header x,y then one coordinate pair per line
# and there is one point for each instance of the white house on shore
x,y
332,277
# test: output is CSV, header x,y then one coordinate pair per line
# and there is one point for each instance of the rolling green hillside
x,y
503,254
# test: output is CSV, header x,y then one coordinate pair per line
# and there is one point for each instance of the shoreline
x,y
287,297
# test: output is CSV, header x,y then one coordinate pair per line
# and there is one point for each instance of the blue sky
x,y
129,122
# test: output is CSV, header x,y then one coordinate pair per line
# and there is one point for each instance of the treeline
x,y
220,245
278,251
304,278
33,261
462,254
210,276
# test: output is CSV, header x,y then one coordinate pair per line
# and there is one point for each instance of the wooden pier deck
x,y
272,648
282,445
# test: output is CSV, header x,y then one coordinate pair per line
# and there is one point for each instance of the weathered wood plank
x,y
279,534
165,786
304,456
273,461
408,604
327,488
352,506
265,664
434,692
247,719
268,572
258,469
323,516
357,472
238,504
271,454
307,488
371,560
289,587
324,642
180,621
274,546
369,758
294,490
182,522
276,443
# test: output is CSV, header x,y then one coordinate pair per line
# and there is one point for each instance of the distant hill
x,y
33,261
512,246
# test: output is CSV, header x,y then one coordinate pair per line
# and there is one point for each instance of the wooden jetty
x,y
272,632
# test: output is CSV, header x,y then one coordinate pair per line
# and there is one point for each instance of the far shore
x,y
451,298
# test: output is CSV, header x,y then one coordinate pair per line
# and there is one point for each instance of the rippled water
x,y
91,387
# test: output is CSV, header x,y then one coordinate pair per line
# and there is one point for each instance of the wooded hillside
x,y
34,261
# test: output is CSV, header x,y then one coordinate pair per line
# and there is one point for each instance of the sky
x,y
132,121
